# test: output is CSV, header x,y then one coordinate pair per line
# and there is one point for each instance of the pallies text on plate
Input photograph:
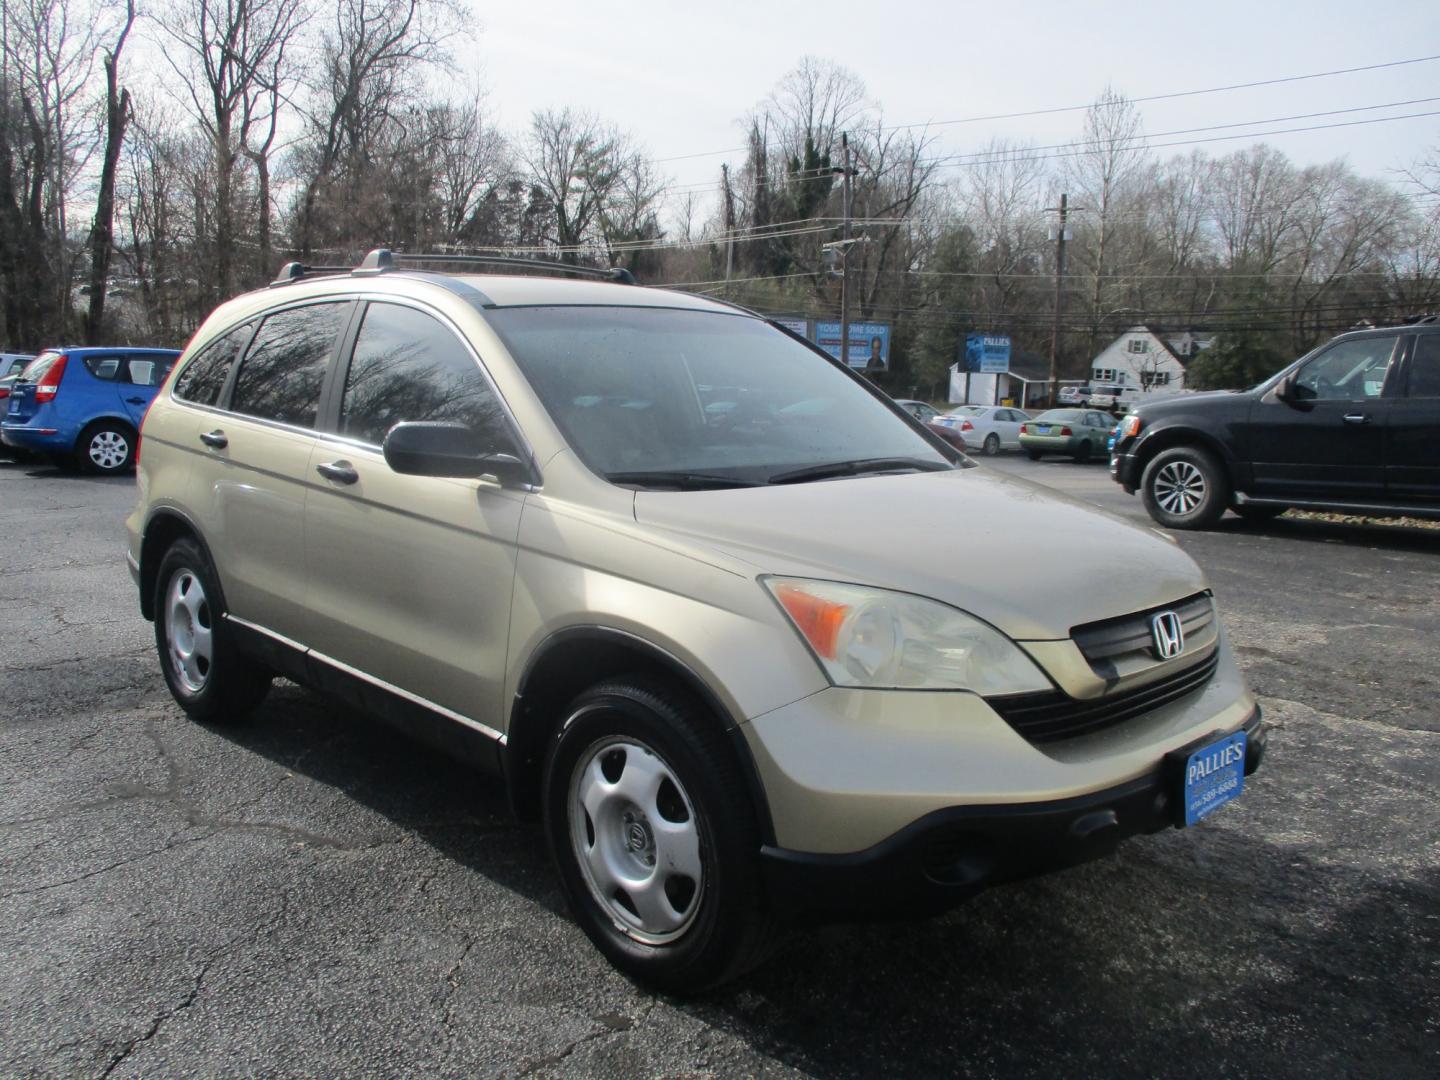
x,y
1212,762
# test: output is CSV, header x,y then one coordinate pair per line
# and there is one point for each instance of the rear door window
x,y
105,368
147,369
282,374
203,377
1424,379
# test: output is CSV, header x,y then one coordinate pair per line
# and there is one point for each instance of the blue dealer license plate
x,y
1214,774
1044,429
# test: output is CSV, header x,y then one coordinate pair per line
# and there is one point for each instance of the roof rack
x,y
379,260
294,271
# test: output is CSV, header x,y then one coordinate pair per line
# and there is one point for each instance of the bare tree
x,y
1103,172
576,161
373,55
117,118
230,52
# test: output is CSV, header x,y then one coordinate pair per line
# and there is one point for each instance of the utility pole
x,y
845,251
729,228
1060,237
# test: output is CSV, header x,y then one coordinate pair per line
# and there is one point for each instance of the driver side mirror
x,y
444,448
1288,391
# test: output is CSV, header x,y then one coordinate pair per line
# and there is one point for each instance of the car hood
x,y
1020,556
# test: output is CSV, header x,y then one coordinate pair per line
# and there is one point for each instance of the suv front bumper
x,y
951,854
1125,470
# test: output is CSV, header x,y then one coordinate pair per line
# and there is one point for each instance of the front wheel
x,y
1185,487
208,677
654,837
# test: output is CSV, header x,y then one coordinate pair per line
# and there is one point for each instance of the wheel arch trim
x,y
526,735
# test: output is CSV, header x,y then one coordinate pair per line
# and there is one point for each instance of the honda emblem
x,y
1169,634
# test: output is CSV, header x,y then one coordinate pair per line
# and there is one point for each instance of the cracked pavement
x,y
312,894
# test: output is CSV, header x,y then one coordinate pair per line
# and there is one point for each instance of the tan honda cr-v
x,y
752,643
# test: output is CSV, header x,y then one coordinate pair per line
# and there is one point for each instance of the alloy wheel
x,y
1179,487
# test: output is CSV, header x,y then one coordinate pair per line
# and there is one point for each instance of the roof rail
x,y
1420,320
294,271
382,259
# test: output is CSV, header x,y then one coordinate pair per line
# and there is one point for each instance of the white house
x,y
1144,359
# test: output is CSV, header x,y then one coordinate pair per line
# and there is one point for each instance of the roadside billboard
x,y
988,354
869,344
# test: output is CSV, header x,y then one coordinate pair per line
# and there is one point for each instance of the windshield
x,y
711,395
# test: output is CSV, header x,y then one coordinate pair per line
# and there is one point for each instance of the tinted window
x,y
655,389
103,367
148,369
1425,367
281,375
407,366
1349,371
204,376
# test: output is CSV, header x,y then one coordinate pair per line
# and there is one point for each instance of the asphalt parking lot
x,y
313,895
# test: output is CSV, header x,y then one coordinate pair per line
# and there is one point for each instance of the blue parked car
x,y
85,405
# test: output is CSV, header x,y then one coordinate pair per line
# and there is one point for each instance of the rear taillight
x,y
49,384
1066,431
967,426
1024,429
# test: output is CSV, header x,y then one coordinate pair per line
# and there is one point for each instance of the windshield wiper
x,y
854,468
680,480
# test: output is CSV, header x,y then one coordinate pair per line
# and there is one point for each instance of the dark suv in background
x,y
1352,427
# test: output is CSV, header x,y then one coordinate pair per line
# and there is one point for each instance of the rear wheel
x,y
1033,455
654,836
991,446
209,678
1185,487
106,447
1082,455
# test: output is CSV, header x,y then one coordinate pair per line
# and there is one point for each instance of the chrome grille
x,y
1116,647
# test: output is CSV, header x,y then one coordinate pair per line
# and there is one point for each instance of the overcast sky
x,y
679,75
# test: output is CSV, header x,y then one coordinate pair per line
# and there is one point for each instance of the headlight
x,y
876,638
1131,427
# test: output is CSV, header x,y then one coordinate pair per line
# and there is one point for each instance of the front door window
x,y
1351,371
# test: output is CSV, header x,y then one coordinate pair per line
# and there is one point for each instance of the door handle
x,y
215,439
342,472
135,400
1356,418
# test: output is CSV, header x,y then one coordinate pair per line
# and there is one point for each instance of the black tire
x,y
1185,487
726,929
1259,514
1083,454
1033,455
106,448
223,687
991,446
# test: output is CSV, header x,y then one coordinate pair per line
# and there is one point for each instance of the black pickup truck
x,y
1353,427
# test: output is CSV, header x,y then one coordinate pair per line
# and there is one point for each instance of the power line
x,y
1081,108
1078,143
